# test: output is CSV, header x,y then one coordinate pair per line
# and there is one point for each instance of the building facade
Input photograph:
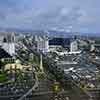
x,y
74,46
7,42
42,44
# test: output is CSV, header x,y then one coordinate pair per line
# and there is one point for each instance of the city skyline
x,y
67,15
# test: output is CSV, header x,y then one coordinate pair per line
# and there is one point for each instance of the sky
x,y
67,15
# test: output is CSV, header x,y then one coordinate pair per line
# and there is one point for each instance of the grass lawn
x,y
2,77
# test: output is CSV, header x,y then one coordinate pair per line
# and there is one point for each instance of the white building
x,y
42,44
74,46
9,47
92,47
7,42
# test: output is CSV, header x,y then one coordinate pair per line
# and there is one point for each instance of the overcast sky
x,y
75,15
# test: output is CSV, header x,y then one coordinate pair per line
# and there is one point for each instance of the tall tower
x,y
41,64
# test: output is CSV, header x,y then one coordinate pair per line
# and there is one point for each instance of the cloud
x,y
47,14
60,18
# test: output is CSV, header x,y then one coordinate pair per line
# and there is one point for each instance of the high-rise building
x,y
64,42
7,42
74,46
42,43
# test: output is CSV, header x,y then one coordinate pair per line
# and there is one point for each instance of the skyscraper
x,y
7,42
74,46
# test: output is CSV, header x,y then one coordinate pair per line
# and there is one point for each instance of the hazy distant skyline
x,y
76,15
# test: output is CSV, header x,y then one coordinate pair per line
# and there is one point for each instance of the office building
x,y
42,43
74,46
7,42
57,41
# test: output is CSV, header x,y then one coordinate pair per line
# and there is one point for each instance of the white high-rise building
x,y
9,47
74,46
92,47
7,42
42,44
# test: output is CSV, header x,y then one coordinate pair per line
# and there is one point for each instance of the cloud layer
x,y
75,15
